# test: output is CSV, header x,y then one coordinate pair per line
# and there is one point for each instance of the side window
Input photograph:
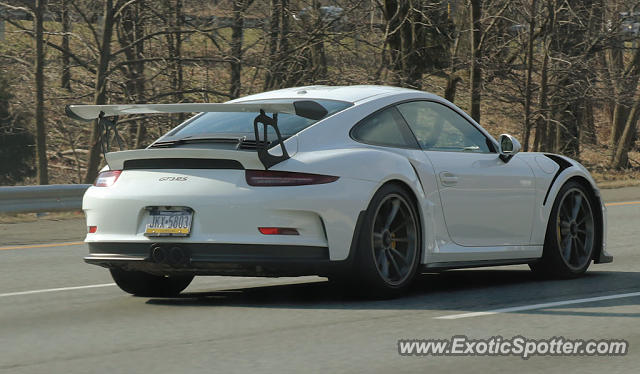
x,y
439,128
386,128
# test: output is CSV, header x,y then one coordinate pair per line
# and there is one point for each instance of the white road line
x,y
56,289
539,306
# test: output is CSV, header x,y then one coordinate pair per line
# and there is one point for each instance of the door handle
x,y
448,179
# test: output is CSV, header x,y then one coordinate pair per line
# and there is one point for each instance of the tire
x,y
139,283
571,234
388,248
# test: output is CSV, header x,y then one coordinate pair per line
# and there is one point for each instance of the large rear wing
x,y
304,108
107,116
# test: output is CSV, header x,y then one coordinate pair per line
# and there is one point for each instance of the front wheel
x,y
388,249
571,232
139,283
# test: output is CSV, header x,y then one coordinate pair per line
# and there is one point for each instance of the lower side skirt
x,y
441,266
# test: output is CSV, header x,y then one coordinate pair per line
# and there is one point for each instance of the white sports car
x,y
368,184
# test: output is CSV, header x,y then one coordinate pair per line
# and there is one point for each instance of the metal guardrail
x,y
49,198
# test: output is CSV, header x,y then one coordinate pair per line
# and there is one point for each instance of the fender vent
x,y
563,165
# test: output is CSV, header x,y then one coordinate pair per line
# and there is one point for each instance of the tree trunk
x,y
526,130
131,30
475,69
620,110
41,131
178,81
100,96
551,128
274,35
395,16
615,67
65,77
588,134
283,42
610,94
577,28
452,77
557,141
126,38
542,140
141,80
237,33
452,85
318,56
621,157
627,78
278,45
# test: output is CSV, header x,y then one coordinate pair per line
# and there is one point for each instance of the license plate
x,y
168,222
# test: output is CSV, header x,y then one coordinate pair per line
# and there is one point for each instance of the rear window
x,y
241,124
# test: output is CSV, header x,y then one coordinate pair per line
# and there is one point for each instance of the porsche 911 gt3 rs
x,y
367,184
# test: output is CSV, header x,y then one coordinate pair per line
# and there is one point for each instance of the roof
x,y
344,93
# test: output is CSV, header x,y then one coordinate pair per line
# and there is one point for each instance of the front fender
x,y
577,170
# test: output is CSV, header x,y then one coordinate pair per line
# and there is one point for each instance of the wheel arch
x,y
416,204
596,203
361,262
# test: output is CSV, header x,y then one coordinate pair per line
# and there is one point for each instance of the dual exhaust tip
x,y
174,255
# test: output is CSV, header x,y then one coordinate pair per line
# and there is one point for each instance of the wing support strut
x,y
263,145
109,129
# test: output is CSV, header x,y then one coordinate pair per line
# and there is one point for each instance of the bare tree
x,y
475,71
623,71
130,32
528,84
236,53
543,139
279,31
578,35
65,76
41,131
100,96
478,12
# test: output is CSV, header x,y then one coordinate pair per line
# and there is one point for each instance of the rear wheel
x,y
388,249
570,237
144,284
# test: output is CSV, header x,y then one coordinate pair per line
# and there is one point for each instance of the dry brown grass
x,y
34,217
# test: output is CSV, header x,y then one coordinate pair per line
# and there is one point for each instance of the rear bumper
x,y
227,210
219,259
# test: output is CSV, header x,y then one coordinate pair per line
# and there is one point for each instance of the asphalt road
x,y
59,315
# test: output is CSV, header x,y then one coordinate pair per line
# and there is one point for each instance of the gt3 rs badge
x,y
172,179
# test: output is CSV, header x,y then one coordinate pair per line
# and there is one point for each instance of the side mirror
x,y
509,146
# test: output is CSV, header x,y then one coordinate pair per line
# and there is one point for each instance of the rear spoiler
x,y
304,108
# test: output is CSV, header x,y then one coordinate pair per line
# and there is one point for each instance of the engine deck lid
x,y
173,157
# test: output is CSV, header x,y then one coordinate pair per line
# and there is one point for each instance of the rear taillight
x,y
267,178
107,178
